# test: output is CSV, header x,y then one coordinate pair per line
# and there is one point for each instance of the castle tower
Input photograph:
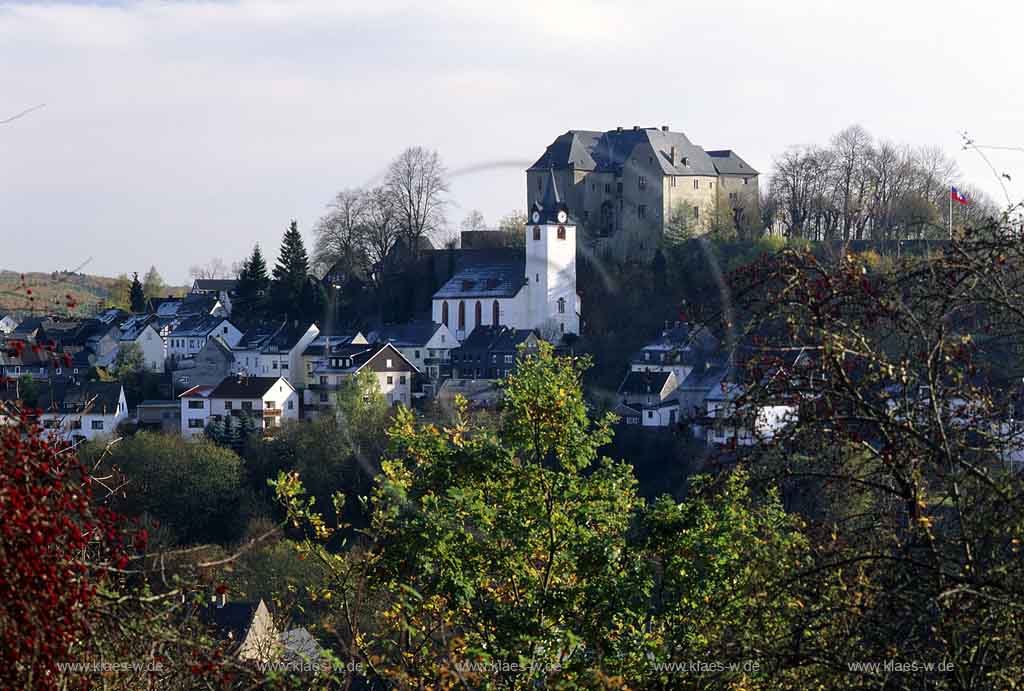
x,y
551,264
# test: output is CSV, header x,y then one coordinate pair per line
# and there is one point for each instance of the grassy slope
x,y
49,292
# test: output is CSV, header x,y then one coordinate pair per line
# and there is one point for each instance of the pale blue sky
x,y
176,132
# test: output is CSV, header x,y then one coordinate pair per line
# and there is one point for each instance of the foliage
x,y
28,391
153,284
136,295
54,546
514,226
365,414
129,361
120,293
192,487
900,458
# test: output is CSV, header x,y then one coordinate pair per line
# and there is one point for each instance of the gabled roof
x,y
728,162
215,284
410,334
546,210
200,391
496,338
644,383
232,620
134,325
499,279
323,342
608,151
197,326
245,387
94,398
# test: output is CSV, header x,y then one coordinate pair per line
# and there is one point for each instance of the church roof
x,y
550,204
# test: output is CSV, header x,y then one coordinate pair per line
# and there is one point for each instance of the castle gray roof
x,y
608,151
728,162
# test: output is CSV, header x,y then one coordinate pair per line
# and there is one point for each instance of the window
x,y
195,423
284,365
227,405
269,405
478,313
746,180
391,380
323,397
195,405
607,188
696,184
732,196
536,278
586,216
76,423
650,414
642,211
618,188
291,405
696,212
536,232
224,330
561,305
273,365
561,232
711,185
323,380
51,424
509,359
58,370
387,363
673,181
416,354
462,315
642,182
401,379
431,352
495,313
246,405
444,313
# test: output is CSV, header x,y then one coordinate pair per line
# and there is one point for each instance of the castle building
x,y
626,185
533,288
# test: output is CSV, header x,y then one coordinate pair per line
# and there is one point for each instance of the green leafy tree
x,y
364,412
136,295
28,391
153,284
120,293
129,361
290,272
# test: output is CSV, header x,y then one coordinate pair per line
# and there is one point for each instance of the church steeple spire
x,y
550,209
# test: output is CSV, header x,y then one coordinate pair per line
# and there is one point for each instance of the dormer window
x,y
561,232
536,232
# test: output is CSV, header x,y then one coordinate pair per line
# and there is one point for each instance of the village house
x,y
87,411
140,330
652,395
427,345
625,184
209,366
340,362
491,352
248,628
276,349
271,401
729,421
315,353
159,416
191,335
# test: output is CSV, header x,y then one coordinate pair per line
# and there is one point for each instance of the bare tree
x,y
340,233
417,182
474,220
215,268
381,225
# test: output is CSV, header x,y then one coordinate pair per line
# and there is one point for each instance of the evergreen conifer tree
x,y
290,273
136,295
253,283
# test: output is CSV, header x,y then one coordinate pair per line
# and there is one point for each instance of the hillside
x,y
50,292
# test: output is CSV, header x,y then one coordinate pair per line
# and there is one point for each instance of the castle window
x,y
444,313
696,212
561,232
478,314
618,188
536,232
642,211
642,182
561,305
673,179
732,196
745,180
696,184
462,312
607,188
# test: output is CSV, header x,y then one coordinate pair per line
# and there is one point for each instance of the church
x,y
534,288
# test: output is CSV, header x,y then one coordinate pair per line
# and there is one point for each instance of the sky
x,y
177,132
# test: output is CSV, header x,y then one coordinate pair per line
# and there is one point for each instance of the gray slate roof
x,y
410,334
728,162
608,151
197,326
643,383
492,273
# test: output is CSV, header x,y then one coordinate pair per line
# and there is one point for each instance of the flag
x,y
957,197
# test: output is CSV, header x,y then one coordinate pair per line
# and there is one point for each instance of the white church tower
x,y
552,302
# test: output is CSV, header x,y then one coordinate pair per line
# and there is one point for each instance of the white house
x,y
393,371
88,411
271,400
652,395
427,345
141,331
8,323
275,350
531,290
191,334
723,419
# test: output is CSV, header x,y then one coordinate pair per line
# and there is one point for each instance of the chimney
x,y
664,128
636,128
618,129
672,155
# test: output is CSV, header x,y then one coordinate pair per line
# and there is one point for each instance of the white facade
x,y
288,365
7,324
187,345
278,404
767,420
90,426
152,348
